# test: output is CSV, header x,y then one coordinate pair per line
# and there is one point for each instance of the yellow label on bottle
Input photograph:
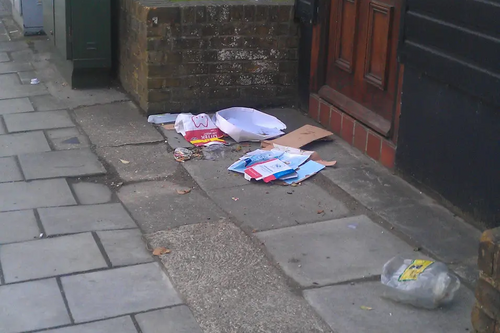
x,y
416,268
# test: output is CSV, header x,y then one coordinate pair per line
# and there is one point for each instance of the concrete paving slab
x,y
18,226
213,174
50,257
437,230
174,139
157,205
229,284
48,103
14,67
118,291
20,122
340,308
91,193
125,247
263,206
35,194
31,306
11,87
333,251
115,325
2,127
4,57
66,220
67,138
13,46
23,143
25,55
145,162
26,77
116,124
373,186
9,171
15,105
64,163
178,319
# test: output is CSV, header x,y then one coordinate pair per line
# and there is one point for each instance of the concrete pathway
x,y
84,180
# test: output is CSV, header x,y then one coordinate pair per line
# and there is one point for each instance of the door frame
x,y
319,60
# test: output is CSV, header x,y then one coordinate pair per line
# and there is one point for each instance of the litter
x,y
245,124
182,154
235,199
352,226
268,170
299,138
422,283
214,152
182,192
165,118
34,81
367,308
198,129
160,251
124,161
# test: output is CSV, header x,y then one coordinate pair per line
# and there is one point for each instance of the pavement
x,y
89,188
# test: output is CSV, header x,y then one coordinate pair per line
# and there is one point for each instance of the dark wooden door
x,y
362,66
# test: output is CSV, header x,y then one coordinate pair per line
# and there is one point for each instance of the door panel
x,y
362,66
377,48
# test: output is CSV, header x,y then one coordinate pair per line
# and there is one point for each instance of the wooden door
x,y
361,76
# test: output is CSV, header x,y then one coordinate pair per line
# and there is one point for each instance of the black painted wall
x,y
449,136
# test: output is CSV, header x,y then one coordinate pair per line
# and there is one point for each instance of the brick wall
x,y
486,311
197,56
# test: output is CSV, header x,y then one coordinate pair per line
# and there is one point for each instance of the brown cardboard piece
x,y
299,138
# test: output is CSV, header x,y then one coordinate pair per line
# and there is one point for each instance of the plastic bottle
x,y
422,283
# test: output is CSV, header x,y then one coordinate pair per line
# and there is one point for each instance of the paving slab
x,y
13,46
373,186
50,257
229,284
48,103
67,138
124,247
116,124
23,143
333,251
437,230
263,206
145,162
66,220
2,127
91,193
18,226
174,139
26,77
9,171
14,67
157,205
213,174
178,319
4,57
35,194
119,291
115,325
21,122
10,87
340,308
15,105
64,163
31,306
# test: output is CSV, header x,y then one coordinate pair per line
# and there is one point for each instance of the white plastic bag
x,y
198,129
421,283
245,124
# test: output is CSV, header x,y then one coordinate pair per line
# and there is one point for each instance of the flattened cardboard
x,y
299,138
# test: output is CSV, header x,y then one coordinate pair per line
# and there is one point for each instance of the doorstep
x,y
352,131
